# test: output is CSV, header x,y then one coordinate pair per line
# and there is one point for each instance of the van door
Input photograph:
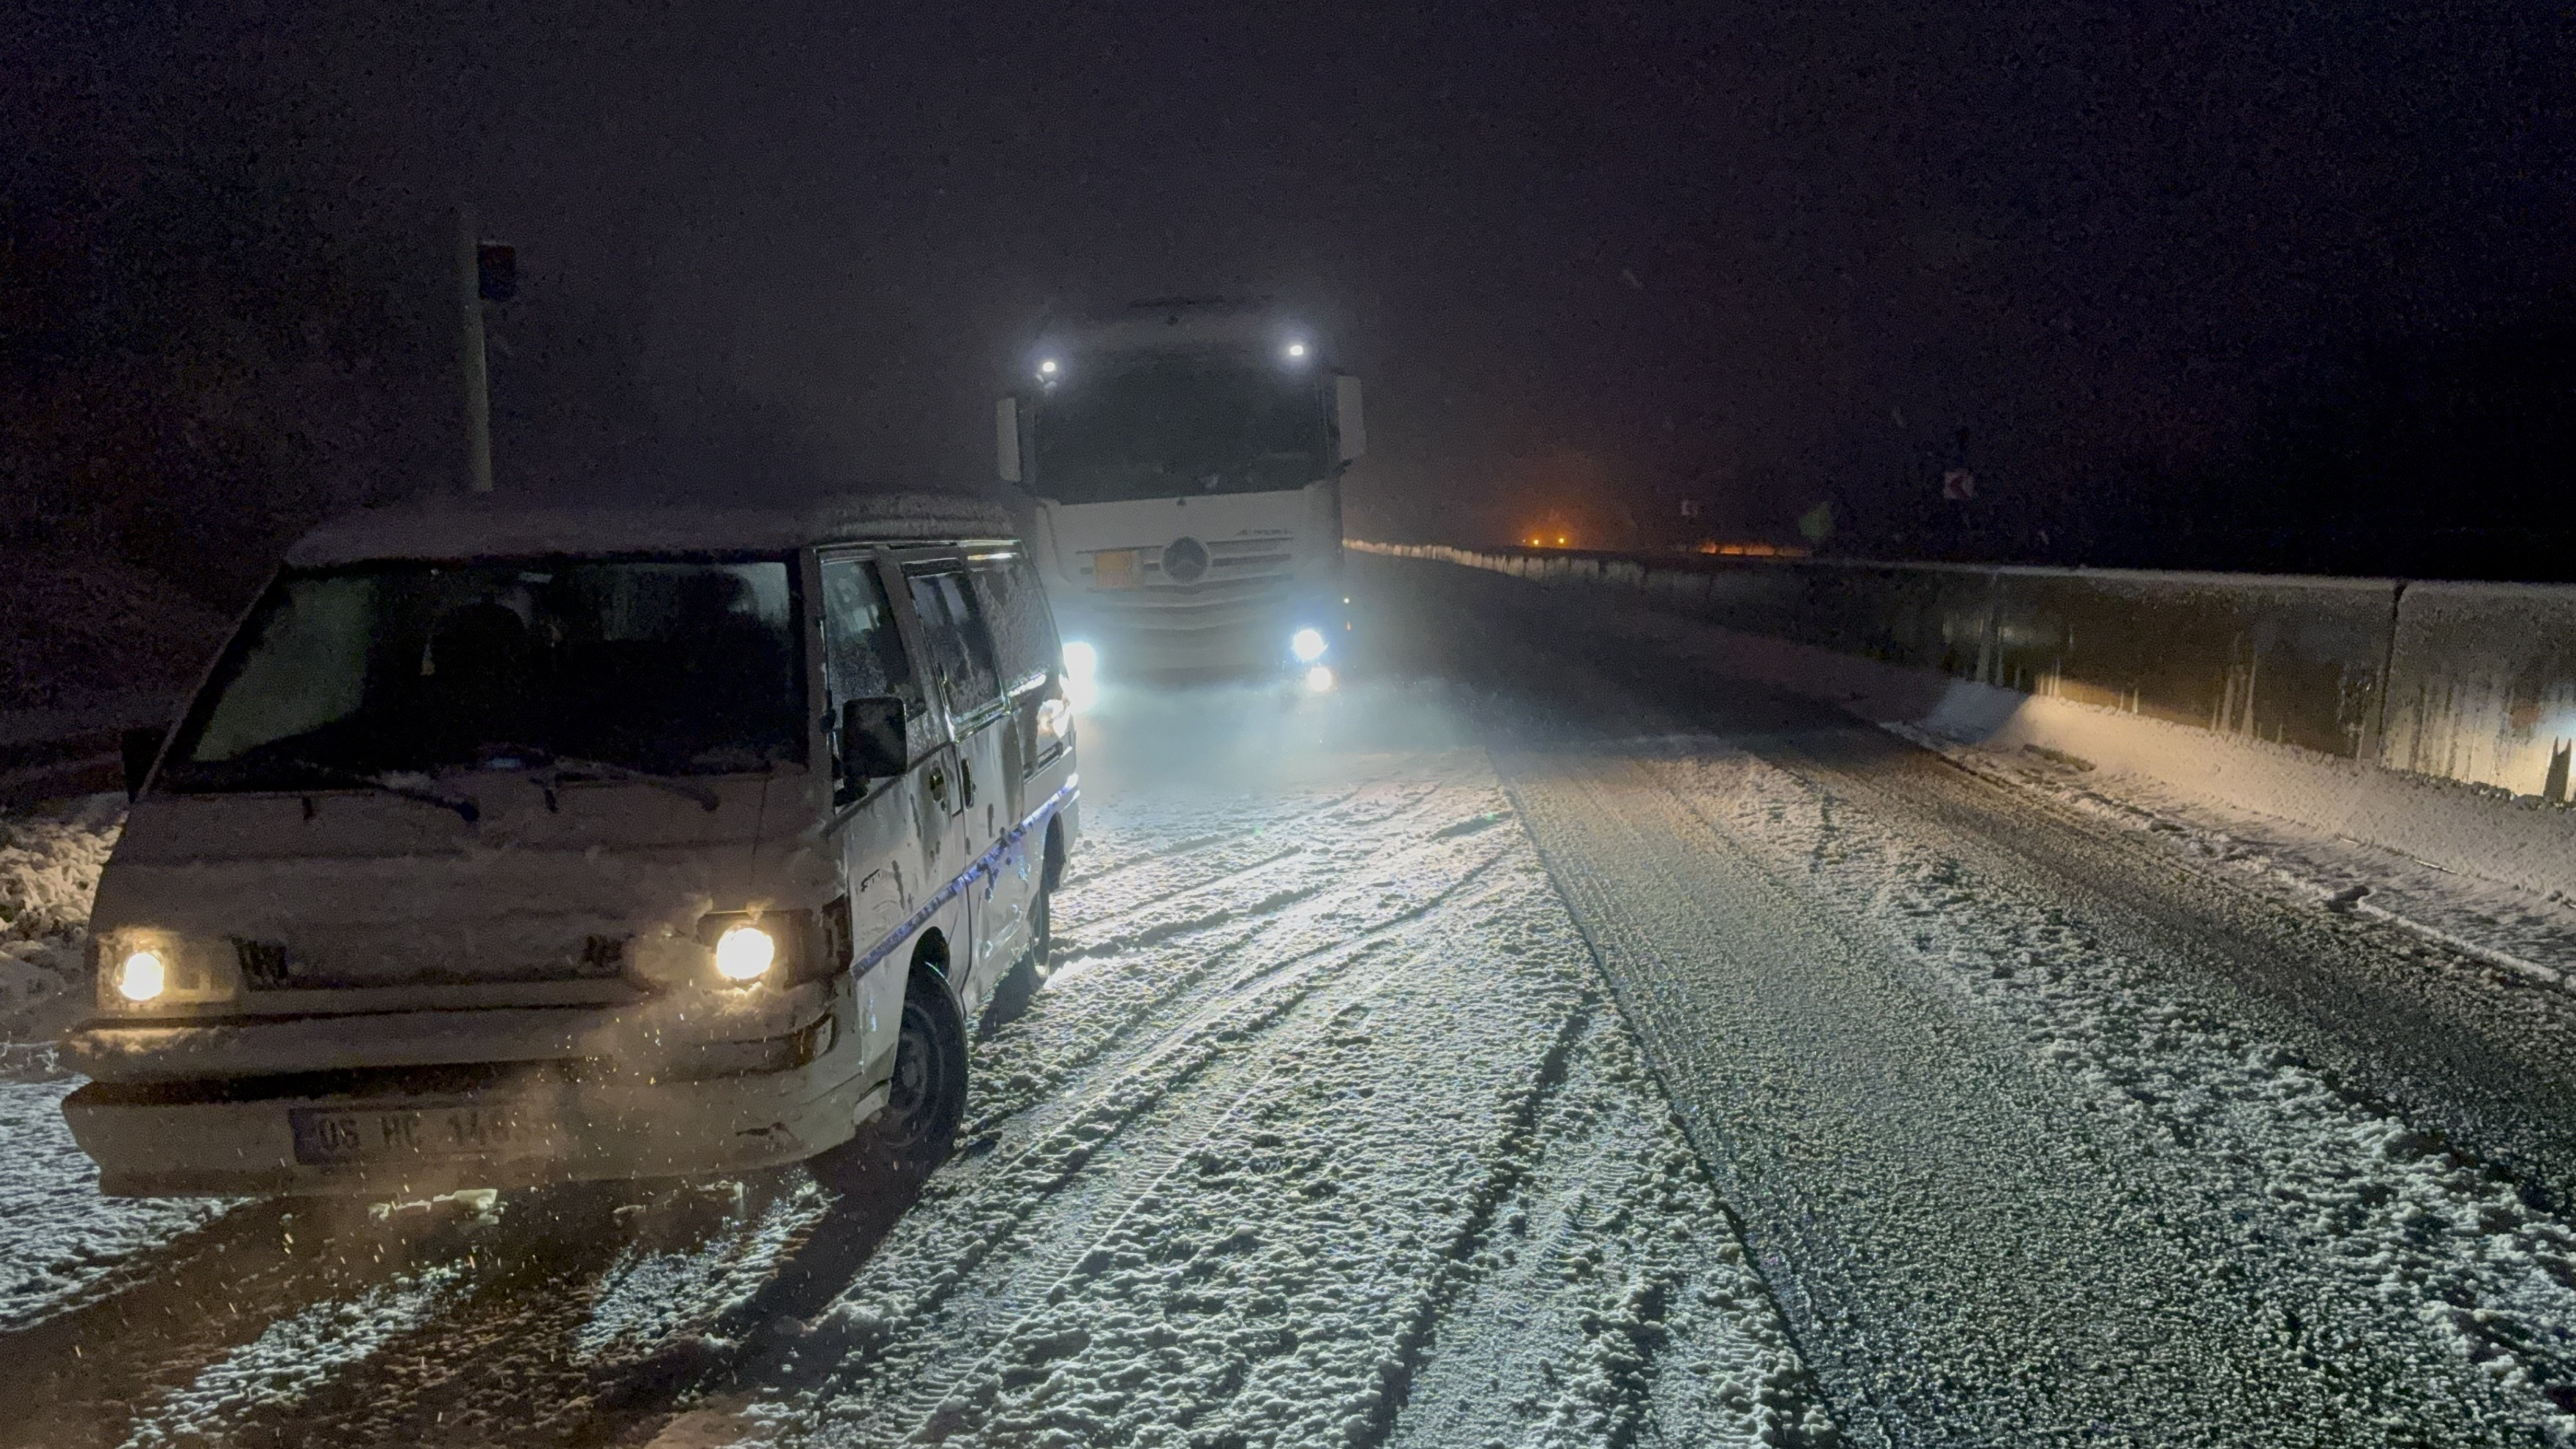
x,y
886,868
1013,602
958,654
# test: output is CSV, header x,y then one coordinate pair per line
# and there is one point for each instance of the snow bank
x,y
49,866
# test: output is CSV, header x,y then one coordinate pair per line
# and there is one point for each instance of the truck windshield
x,y
662,666
1164,427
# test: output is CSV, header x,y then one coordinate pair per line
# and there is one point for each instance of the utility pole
x,y
469,355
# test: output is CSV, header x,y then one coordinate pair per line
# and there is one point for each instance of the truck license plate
x,y
325,1135
1114,569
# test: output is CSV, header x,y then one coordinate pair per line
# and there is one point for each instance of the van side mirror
x,y
1006,438
139,747
872,739
1348,427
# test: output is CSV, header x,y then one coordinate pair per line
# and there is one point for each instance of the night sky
x,y
2153,259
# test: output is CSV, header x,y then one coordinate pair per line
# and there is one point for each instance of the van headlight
x,y
142,976
153,970
745,952
1307,645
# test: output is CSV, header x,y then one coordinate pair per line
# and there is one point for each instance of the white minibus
x,y
510,845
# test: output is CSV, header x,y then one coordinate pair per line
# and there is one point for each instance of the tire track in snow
x,y
1183,1033
1212,1043
1085,914
1298,1258
1933,1215
87,1372
1192,845
62,1247
1614,1296
2347,1189
2400,1386
1177,975
1090,922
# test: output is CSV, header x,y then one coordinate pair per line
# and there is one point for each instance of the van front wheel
x,y
927,1095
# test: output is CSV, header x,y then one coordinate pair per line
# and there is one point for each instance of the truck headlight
x,y
1081,675
1307,645
142,976
744,953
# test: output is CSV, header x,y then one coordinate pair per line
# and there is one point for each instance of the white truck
x,y
1186,458
509,845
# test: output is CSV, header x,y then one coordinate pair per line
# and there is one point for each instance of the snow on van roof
x,y
456,528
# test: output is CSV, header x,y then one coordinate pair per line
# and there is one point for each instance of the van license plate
x,y
1114,569
325,1136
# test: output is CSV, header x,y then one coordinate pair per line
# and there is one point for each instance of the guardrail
x,y
2465,682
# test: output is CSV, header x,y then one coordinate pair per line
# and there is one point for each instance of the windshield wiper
x,y
561,767
465,809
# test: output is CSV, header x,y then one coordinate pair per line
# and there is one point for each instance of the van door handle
x,y
966,782
938,785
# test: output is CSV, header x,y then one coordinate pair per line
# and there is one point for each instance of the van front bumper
x,y
419,1132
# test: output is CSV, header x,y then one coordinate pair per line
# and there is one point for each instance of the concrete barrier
x,y
2435,719
2482,686
2291,660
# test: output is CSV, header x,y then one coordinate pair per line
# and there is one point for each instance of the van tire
x,y
926,1097
1012,995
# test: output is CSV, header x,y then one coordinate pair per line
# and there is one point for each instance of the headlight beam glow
x,y
745,953
1081,675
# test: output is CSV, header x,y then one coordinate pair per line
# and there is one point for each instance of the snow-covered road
x,y
2043,1129
1536,1044
1324,1133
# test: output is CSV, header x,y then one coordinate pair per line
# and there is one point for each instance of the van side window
x,y
862,652
961,652
1016,609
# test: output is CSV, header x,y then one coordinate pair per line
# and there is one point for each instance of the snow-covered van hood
x,y
356,890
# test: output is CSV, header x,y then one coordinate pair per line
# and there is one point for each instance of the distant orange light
x,y
1560,540
1749,550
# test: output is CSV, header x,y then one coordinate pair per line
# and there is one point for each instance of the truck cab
x,y
504,846
1185,459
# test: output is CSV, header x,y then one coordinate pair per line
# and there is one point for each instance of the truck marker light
x,y
142,977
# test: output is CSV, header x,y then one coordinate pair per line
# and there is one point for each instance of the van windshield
x,y
656,665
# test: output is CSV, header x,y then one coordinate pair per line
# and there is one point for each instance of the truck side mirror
x,y
1006,438
139,747
872,739
1347,424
